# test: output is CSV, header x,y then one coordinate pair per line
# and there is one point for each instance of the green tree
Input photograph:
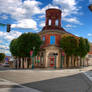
x,y
14,47
27,42
83,48
69,45
87,45
24,44
2,56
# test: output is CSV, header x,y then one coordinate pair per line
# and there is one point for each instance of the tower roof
x,y
53,20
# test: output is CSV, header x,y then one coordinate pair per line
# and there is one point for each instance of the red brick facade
x,y
47,39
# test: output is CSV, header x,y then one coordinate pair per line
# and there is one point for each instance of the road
x,y
68,80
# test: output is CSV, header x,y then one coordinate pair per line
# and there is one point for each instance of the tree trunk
x,y
16,63
83,62
74,60
27,62
71,61
67,61
80,61
87,62
77,62
19,62
23,63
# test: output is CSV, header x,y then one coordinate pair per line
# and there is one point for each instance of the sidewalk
x,y
59,80
8,86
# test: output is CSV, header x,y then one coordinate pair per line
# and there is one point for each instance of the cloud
x,y
42,16
4,47
89,34
76,34
47,7
25,23
90,1
43,10
1,41
22,11
4,17
42,24
72,20
5,41
9,36
68,26
19,9
68,6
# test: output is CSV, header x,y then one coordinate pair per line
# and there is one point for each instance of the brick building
x,y
51,34
51,55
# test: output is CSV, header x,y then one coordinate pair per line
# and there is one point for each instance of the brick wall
x,y
47,39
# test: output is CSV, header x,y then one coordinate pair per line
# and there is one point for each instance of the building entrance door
x,y
51,61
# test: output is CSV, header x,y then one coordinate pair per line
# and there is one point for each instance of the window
x,y
52,40
43,38
56,22
49,21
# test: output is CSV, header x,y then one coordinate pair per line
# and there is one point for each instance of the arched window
x,y
56,22
49,22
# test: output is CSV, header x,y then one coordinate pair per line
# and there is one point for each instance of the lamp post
x,y
62,58
55,54
32,56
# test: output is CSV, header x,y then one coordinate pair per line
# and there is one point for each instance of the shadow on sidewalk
x,y
74,83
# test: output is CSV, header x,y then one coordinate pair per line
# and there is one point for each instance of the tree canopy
x,y
69,44
24,43
2,56
75,46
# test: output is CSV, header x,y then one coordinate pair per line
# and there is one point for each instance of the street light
x,y
90,7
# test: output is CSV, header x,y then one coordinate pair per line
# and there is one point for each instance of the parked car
x,y
6,64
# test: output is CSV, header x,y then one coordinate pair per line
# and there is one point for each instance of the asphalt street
x,y
71,80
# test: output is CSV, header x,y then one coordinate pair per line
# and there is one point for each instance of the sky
x,y
29,16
